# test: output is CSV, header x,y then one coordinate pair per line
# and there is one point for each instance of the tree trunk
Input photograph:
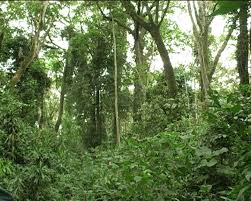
x,y
154,30
35,46
1,39
116,87
25,63
139,77
204,63
98,117
41,112
242,46
62,95
168,68
201,20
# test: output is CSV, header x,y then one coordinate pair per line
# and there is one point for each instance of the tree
x,y
243,45
242,41
67,75
201,21
140,73
116,86
40,24
152,25
65,84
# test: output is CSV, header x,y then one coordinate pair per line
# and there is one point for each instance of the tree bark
x,y
41,111
25,63
140,75
116,87
242,46
168,68
137,93
1,39
62,94
204,62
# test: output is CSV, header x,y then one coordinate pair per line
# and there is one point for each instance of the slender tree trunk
x,y
201,20
1,39
168,68
41,112
204,63
139,88
250,39
116,87
99,131
221,49
62,95
242,46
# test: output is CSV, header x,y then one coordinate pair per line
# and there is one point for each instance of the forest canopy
x,y
125,100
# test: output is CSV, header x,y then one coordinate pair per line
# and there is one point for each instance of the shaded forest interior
x,y
125,100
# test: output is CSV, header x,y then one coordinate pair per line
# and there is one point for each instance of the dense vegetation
x,y
88,113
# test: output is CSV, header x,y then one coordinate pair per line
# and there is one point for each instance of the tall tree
x,y
116,108
201,19
68,69
41,30
152,23
243,45
140,73
65,84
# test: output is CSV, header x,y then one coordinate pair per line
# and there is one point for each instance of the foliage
x,y
223,160
185,164
179,149
227,7
160,110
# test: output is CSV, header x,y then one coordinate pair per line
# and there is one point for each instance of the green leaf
x,y
242,192
226,170
248,175
203,151
220,151
212,162
137,179
226,7
206,188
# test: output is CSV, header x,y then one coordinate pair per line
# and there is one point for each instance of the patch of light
x,y
182,20
55,92
130,54
7,66
218,26
20,24
156,64
131,88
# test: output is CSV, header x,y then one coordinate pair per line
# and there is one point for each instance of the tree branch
x,y
115,20
197,16
144,3
130,10
192,19
222,48
148,11
51,41
164,13
157,13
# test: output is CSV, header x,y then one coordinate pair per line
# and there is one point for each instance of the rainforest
x,y
125,100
